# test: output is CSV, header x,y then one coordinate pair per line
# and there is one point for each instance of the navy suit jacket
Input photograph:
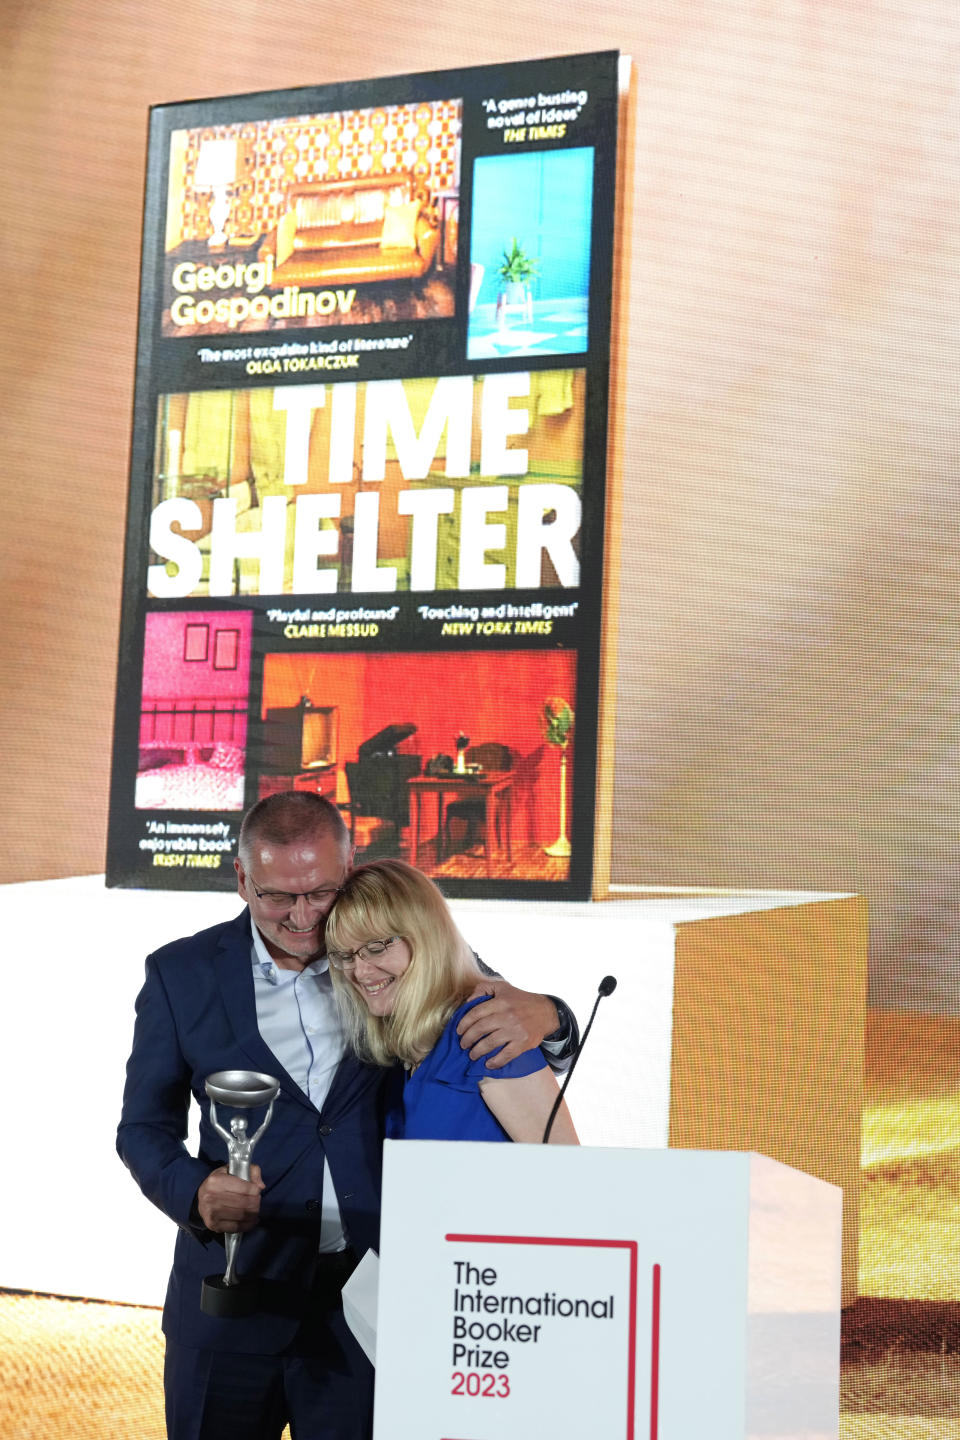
x,y
197,1014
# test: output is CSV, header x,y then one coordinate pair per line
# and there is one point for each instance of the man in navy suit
x,y
255,993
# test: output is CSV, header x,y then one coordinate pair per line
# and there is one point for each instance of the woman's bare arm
x,y
522,1106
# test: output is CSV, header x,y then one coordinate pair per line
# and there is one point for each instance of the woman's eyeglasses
x,y
347,959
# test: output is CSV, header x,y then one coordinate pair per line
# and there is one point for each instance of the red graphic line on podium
x,y
655,1356
631,1247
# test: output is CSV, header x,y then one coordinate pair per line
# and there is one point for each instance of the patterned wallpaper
x,y
423,139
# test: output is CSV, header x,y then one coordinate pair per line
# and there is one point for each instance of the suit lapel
x,y
235,979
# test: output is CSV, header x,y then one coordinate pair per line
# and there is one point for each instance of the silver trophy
x,y
228,1294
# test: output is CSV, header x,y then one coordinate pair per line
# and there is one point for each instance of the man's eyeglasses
x,y
347,959
286,899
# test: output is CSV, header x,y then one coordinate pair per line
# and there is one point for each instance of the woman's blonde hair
x,y
390,897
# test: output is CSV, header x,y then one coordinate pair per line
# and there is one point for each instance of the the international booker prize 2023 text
x,y
486,1321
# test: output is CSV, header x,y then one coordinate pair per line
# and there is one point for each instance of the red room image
x,y
461,763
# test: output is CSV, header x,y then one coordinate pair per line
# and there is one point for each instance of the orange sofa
x,y
351,232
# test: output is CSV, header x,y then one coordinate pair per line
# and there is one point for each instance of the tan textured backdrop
x,y
789,621
787,673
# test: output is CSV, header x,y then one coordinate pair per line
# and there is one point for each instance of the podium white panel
x,y
612,1293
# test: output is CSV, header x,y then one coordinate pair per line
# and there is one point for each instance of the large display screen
x,y
365,551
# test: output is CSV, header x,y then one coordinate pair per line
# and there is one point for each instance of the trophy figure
x,y
228,1294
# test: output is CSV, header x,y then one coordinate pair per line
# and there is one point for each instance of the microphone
x,y
606,987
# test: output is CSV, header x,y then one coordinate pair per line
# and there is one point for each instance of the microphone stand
x,y
606,987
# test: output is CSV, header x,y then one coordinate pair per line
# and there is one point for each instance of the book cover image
x,y
192,733
464,482
530,296
365,536
460,762
349,217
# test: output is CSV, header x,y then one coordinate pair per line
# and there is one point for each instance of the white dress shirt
x,y
298,1019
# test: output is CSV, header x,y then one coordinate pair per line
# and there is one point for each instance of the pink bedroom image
x,y
193,710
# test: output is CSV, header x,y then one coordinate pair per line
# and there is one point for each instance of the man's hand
x,y
515,1019
228,1204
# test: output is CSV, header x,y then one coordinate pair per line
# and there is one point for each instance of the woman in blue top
x,y
404,975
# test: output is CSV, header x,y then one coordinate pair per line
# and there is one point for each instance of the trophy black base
x,y
229,1302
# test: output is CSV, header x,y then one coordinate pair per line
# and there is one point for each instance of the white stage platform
x,y
735,1014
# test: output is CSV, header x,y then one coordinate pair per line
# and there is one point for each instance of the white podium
x,y
612,1293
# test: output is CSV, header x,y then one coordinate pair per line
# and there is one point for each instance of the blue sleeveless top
x,y
441,1099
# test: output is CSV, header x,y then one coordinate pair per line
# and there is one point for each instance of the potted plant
x,y
516,270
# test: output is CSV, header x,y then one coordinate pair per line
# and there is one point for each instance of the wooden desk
x,y
493,787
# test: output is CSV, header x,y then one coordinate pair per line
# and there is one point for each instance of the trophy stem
x,y
232,1246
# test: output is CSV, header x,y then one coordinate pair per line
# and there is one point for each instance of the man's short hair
x,y
287,817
